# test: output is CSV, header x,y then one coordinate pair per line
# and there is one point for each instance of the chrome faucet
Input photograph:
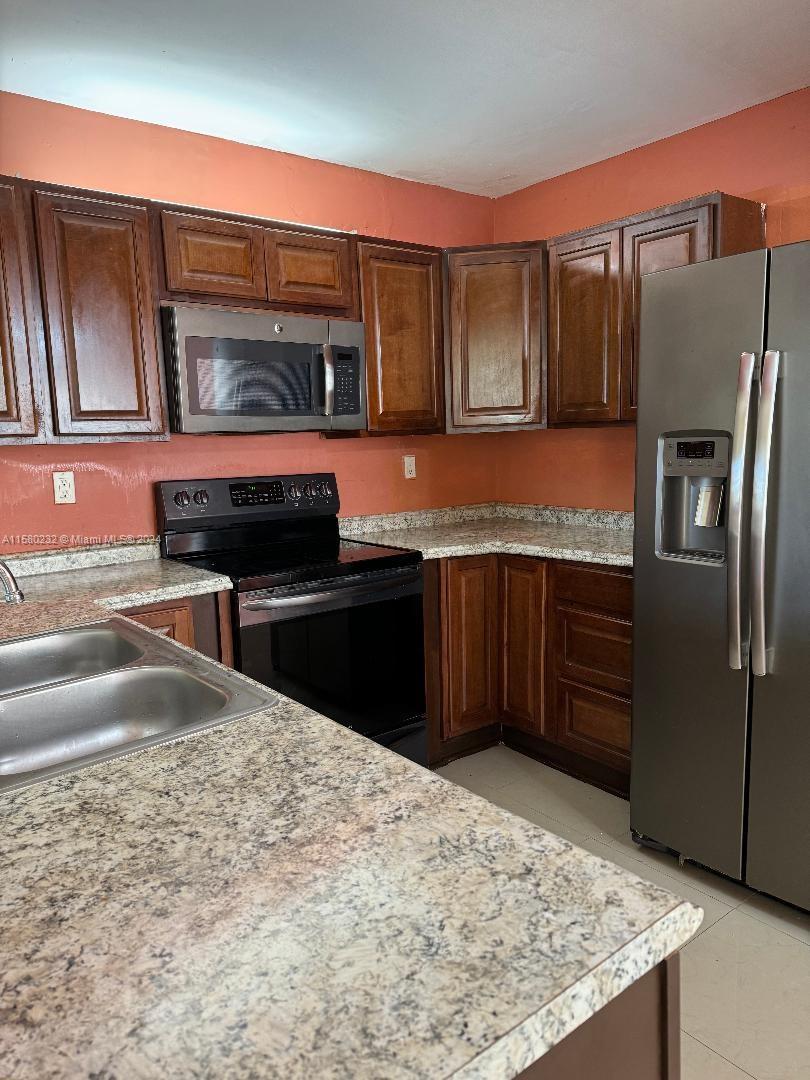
x,y
14,594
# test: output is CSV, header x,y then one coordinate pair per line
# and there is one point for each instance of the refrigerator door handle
x,y
759,509
745,380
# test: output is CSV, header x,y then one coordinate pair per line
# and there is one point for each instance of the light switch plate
x,y
64,488
409,466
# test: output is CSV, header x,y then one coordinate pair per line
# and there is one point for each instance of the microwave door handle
x,y
745,380
759,510
329,380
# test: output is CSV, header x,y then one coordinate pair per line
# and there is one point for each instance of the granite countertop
x,y
510,536
123,585
280,897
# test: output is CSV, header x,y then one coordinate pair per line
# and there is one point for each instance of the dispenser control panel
x,y
696,456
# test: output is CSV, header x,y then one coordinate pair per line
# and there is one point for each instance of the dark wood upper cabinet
x,y
584,319
402,311
214,256
310,270
99,310
595,284
648,246
521,641
17,332
496,338
471,605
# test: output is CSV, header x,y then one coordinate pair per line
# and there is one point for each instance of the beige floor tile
x,y
571,802
780,916
746,995
698,1062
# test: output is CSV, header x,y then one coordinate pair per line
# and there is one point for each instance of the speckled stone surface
x,y
512,536
124,585
55,560
24,620
420,519
280,897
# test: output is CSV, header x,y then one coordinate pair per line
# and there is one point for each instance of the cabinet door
x,y
17,417
659,244
471,602
521,643
310,270
214,256
584,328
172,621
495,337
401,291
99,315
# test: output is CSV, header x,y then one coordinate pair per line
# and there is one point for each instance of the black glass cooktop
x,y
282,564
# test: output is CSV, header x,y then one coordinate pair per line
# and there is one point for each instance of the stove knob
x,y
201,497
324,490
309,491
182,498
294,491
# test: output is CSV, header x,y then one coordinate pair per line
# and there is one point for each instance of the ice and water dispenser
x,y
692,493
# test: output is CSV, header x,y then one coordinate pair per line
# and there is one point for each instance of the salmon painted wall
x,y
45,141
761,153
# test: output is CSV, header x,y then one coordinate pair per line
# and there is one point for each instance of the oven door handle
x,y
348,596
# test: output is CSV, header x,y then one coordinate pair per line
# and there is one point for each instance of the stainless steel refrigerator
x,y
721,625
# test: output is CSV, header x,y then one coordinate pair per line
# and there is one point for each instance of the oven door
x,y
351,648
242,371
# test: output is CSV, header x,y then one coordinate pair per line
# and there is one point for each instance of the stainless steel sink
x,y
67,654
104,690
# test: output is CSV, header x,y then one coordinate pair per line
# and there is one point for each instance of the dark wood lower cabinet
x,y
536,654
201,622
521,641
471,604
635,1037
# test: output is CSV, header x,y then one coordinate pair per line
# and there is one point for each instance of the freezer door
x,y
689,706
779,803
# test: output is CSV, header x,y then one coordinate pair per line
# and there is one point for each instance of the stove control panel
x,y
185,504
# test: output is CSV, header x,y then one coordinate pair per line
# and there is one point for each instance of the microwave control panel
x,y
347,382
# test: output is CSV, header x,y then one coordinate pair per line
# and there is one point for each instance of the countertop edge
x,y
505,547
540,1032
217,583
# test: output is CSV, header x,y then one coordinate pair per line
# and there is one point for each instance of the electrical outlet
x,y
64,489
409,466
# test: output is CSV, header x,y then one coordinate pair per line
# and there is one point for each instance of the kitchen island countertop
x,y
281,897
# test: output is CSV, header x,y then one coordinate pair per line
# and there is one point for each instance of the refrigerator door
x,y
779,799
690,707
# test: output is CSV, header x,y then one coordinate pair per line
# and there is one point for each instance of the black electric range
x,y
335,624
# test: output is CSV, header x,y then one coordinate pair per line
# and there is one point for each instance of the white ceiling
x,y
484,96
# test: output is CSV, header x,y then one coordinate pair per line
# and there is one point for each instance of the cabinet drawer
x,y
214,256
310,270
593,723
594,649
600,588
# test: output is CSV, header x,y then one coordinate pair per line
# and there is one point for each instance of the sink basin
x,y
76,697
67,654
61,723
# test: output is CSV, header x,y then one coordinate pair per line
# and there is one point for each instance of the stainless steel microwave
x,y
239,371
